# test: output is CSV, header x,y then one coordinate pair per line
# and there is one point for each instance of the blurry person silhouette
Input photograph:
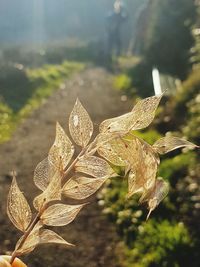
x,y
115,19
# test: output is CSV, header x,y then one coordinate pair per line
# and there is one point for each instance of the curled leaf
x,y
158,193
170,143
18,208
43,173
82,187
60,214
61,149
80,125
51,193
94,166
143,164
48,236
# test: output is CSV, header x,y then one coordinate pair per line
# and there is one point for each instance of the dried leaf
x,y
144,112
18,208
143,164
95,167
43,173
82,187
60,214
48,236
61,149
158,193
80,125
169,143
120,124
31,242
140,117
51,193
109,151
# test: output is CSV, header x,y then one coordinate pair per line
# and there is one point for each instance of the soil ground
x,y
94,236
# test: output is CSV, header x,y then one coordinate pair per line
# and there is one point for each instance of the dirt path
x,y
91,232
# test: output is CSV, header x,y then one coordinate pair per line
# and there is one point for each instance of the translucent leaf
x,y
60,214
109,151
144,166
82,187
18,208
51,193
95,167
169,143
43,173
39,236
140,117
61,149
80,125
144,112
48,236
31,242
118,124
158,193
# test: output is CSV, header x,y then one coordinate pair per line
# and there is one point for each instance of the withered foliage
x,y
60,176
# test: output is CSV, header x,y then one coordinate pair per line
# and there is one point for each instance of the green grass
x,y
18,98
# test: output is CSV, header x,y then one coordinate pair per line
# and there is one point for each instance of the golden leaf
x,y
82,187
43,173
158,193
61,149
80,125
48,236
60,214
109,151
144,112
120,124
95,167
140,117
143,163
51,193
31,241
170,143
18,208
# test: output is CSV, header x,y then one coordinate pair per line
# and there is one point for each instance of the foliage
x,y
122,82
117,144
160,244
23,89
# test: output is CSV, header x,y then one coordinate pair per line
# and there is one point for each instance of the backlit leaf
x,y
60,214
43,173
158,193
80,125
140,117
51,193
48,236
18,208
94,166
82,187
61,149
169,143
144,112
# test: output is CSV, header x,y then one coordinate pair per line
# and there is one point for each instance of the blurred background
x,y
109,53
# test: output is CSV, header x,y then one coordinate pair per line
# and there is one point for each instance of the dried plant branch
x,y
59,175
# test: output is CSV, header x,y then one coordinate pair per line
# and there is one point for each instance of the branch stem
x,y
25,236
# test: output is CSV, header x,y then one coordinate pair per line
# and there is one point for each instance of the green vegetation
x,y
160,244
23,89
